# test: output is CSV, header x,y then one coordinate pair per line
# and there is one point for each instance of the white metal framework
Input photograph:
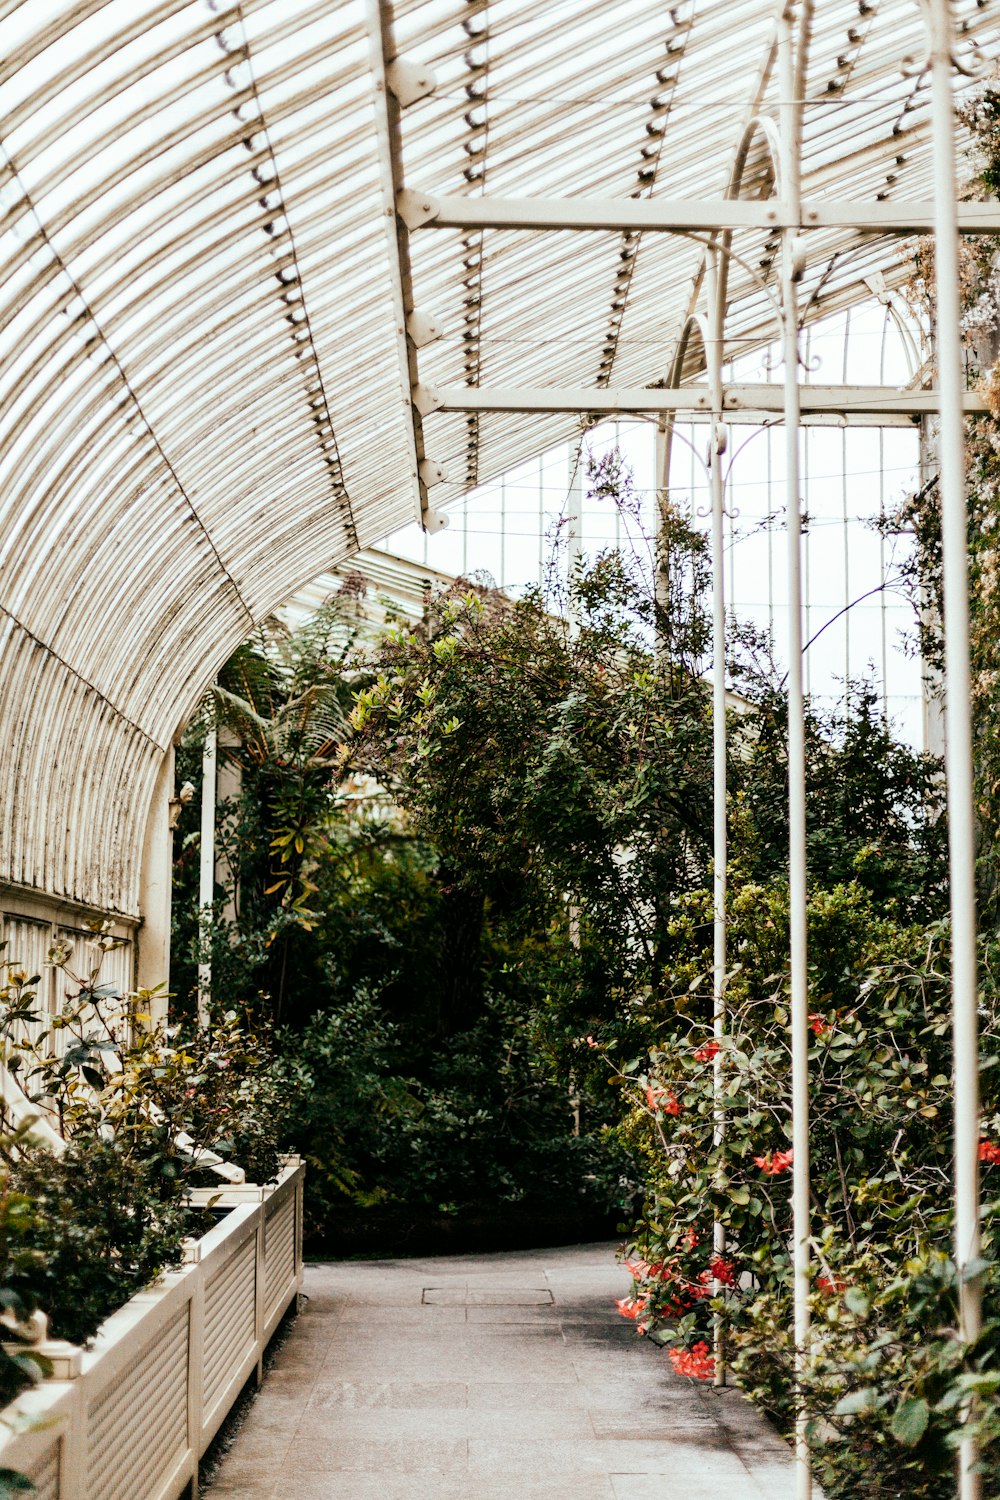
x,y
273,271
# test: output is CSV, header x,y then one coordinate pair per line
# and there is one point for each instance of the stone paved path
x,y
504,1377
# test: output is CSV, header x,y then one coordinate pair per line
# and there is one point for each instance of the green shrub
x,y
103,1228
136,1107
486,1124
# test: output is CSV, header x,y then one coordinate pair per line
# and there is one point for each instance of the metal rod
x,y
206,879
789,63
958,691
844,402
574,520
714,343
422,211
379,19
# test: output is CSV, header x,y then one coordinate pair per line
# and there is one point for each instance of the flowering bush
x,y
136,1107
888,1381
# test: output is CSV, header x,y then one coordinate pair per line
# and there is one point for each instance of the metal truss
x,y
890,405
682,215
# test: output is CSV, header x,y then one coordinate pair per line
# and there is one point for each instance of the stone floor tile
x,y
347,1426
383,1455
408,1315
237,1476
351,1486
241,1491
528,1395
661,1427
412,1394
601,1456
692,1487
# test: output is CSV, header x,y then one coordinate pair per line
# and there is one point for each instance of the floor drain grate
x,y
458,1296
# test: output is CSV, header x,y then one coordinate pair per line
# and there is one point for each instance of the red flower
x,y
722,1270
829,1284
780,1161
641,1270
988,1151
631,1307
706,1052
818,1024
690,1237
697,1362
662,1100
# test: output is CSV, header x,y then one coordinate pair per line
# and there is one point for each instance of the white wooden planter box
x,y
165,1369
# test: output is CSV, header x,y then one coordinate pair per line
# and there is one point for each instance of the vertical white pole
x,y
574,510
958,716
206,884
156,877
715,331
574,517
790,81
661,561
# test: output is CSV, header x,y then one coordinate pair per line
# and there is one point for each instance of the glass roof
x,y
202,396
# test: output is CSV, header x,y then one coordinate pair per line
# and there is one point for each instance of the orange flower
x,y
780,1161
697,1362
706,1052
641,1270
988,1151
818,1024
631,1307
662,1100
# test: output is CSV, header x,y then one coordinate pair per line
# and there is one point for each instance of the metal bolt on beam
x,y
423,330
416,209
409,82
431,472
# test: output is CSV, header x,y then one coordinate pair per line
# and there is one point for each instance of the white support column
x,y
229,785
714,343
931,676
958,715
574,512
663,452
206,883
791,82
153,938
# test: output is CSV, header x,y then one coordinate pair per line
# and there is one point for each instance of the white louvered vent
x,y
115,972
45,1477
230,1300
137,1427
279,1254
28,943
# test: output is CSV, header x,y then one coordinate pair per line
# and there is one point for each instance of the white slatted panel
x,y
230,1302
28,942
137,1428
279,1254
45,1477
119,968
28,945
116,970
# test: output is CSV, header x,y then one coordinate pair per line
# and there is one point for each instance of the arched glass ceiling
x,y
202,395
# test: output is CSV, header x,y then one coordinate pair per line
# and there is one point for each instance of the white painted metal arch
x,y
205,388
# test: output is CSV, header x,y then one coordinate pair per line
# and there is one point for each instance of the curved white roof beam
x,y
200,339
